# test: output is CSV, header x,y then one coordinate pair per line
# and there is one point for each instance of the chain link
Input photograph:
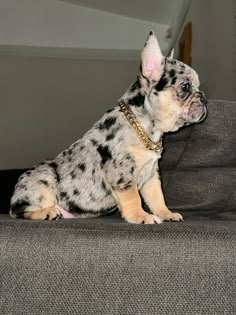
x,y
149,144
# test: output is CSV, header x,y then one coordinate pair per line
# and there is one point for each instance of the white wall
x,y
62,24
214,46
47,104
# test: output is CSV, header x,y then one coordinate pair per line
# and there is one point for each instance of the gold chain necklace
x,y
149,144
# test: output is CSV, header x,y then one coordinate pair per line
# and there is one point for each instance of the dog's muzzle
x,y
203,101
197,108
203,115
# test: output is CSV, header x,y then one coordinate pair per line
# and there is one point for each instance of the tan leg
x,y
129,203
43,214
153,196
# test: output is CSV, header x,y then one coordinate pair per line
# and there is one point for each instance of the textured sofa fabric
x,y
107,266
199,165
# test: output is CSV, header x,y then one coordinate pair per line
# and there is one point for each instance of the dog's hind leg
x,y
51,213
36,207
35,195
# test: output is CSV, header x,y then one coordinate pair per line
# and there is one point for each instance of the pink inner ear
x,y
151,65
151,59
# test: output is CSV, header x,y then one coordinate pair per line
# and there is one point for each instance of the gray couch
x,y
106,266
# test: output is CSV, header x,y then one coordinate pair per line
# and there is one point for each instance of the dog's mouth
x,y
204,115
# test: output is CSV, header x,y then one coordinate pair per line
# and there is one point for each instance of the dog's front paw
x,y
51,214
171,216
176,217
151,219
143,218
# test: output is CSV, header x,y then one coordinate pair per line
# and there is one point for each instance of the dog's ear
x,y
152,59
171,54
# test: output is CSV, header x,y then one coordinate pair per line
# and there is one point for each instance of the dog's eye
x,y
185,87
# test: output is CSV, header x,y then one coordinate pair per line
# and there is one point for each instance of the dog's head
x,y
167,89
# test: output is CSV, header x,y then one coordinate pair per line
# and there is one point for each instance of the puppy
x,y
116,161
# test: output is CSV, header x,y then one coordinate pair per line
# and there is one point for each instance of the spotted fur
x,y
109,166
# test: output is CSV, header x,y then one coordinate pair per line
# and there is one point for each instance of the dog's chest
x,y
146,163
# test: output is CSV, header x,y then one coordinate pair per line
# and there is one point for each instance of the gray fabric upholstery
x,y
199,164
106,266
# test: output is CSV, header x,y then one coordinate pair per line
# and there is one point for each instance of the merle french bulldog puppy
x,y
116,161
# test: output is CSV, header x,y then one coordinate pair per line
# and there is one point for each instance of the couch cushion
x,y
199,163
106,266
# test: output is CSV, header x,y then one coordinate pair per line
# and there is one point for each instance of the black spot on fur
x,y
105,189
76,192
161,84
93,171
137,100
110,137
72,207
135,86
69,151
82,167
138,83
41,198
173,81
72,174
107,124
110,110
91,196
44,182
18,208
64,153
94,142
120,181
54,166
103,185
132,170
181,72
63,195
105,153
172,73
